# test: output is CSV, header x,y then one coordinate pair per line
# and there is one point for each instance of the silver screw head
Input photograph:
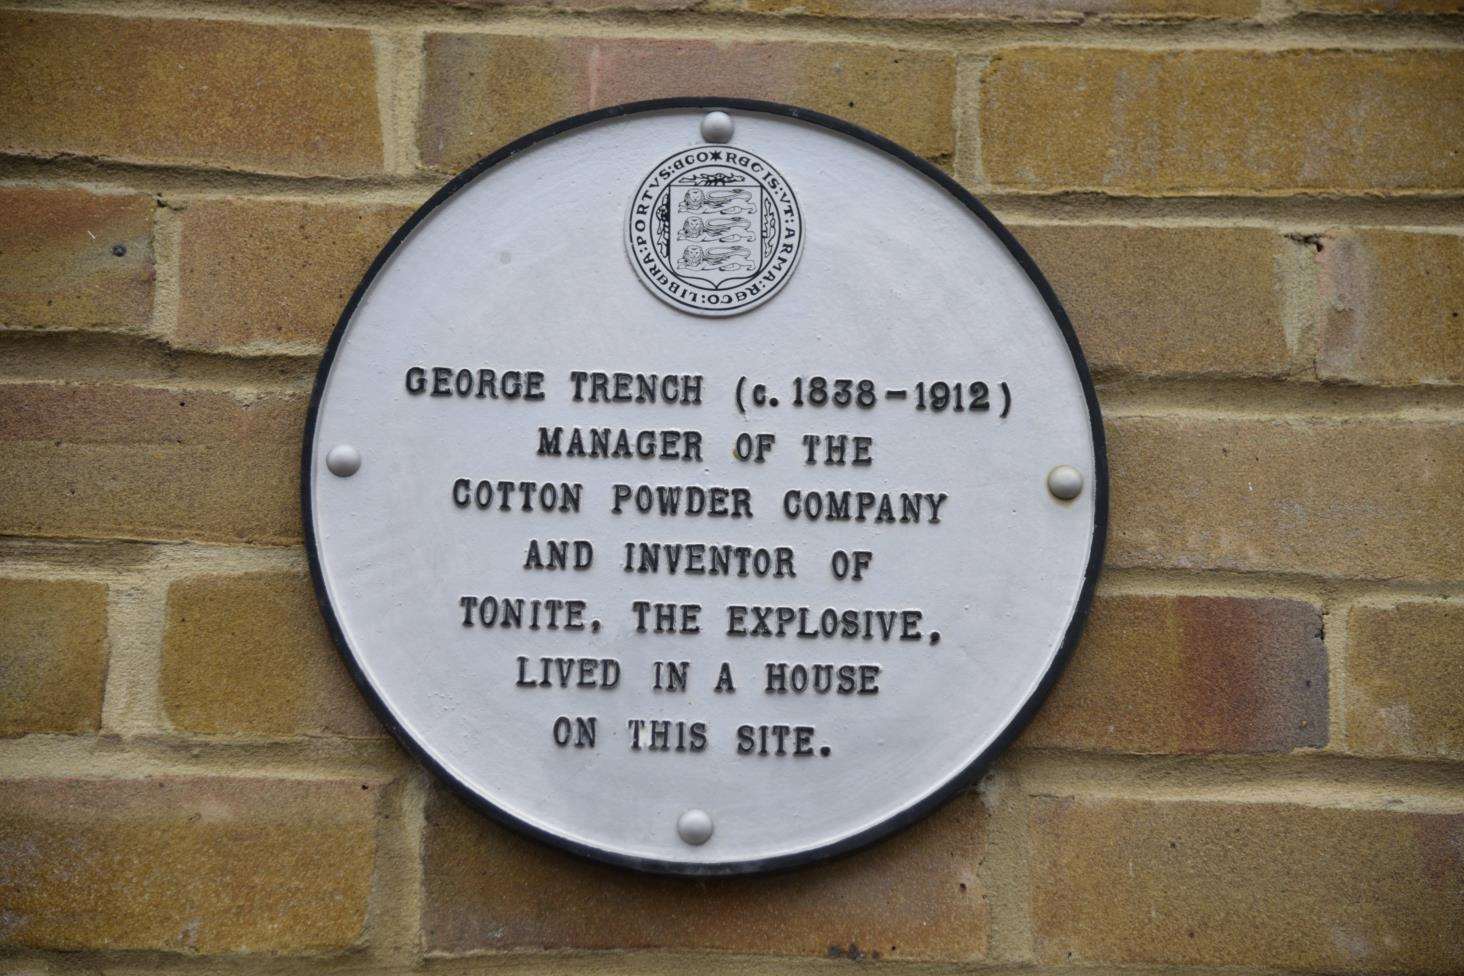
x,y
343,460
695,827
1065,482
717,127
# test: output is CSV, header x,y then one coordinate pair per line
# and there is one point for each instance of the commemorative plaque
x,y
704,487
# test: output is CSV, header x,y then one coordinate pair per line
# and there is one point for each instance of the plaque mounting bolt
x,y
717,127
1065,482
343,460
695,827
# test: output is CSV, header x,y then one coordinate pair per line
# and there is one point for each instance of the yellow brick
x,y
578,5
74,259
913,10
1405,680
1364,499
121,461
1381,6
914,896
186,865
1392,307
53,655
1272,885
1191,674
483,91
285,99
1168,300
980,9
1237,121
251,654
270,275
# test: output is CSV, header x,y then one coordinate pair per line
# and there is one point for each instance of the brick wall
x,y
1254,212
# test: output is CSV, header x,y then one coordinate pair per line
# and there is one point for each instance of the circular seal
x,y
714,230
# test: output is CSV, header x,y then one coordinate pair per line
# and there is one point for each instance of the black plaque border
x,y
915,811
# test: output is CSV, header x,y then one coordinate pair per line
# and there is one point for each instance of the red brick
x,y
1191,674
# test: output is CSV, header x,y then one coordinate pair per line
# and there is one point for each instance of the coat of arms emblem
x,y
714,231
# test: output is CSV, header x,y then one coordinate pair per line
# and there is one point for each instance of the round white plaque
x,y
681,589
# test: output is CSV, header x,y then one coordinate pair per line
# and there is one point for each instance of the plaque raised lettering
x,y
704,486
